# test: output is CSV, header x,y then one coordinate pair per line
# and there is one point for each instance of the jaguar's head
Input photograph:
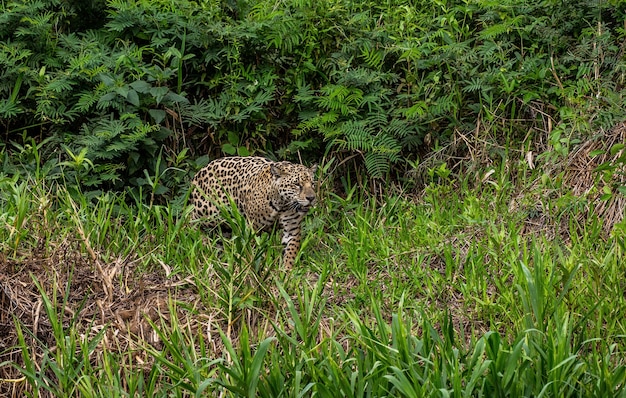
x,y
295,184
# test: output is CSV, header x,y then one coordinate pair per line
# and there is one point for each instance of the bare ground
x,y
122,303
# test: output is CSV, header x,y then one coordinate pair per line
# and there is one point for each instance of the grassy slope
x,y
462,291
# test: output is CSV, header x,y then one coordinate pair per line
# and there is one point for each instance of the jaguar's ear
x,y
313,169
276,171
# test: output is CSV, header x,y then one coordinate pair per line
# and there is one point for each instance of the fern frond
x,y
285,34
373,57
87,100
318,122
108,129
304,94
377,164
377,120
340,98
476,84
9,109
59,85
417,110
387,145
399,128
114,149
208,111
495,30
444,106
358,135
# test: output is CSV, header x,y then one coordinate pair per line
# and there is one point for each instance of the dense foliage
x,y
122,90
512,286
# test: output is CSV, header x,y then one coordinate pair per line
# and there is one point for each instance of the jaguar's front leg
x,y
290,223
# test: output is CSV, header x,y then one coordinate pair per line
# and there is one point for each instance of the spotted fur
x,y
265,192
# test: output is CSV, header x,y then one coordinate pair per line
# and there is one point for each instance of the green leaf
x,y
604,166
172,97
595,153
133,97
141,86
107,79
158,115
402,383
159,93
229,149
233,138
616,148
243,151
122,91
254,374
174,51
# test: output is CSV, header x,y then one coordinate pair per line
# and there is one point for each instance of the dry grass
x,y
122,304
581,177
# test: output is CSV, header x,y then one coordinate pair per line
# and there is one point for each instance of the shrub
x,y
137,82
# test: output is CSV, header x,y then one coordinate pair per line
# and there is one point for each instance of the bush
x,y
144,83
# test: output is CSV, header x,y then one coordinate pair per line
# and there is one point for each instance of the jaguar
x,y
266,193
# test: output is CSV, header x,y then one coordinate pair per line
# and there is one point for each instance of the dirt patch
x,y
591,170
112,296
598,164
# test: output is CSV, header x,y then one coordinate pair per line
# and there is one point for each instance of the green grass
x,y
456,293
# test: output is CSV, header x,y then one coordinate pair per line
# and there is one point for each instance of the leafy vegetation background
x,y
496,269
142,85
